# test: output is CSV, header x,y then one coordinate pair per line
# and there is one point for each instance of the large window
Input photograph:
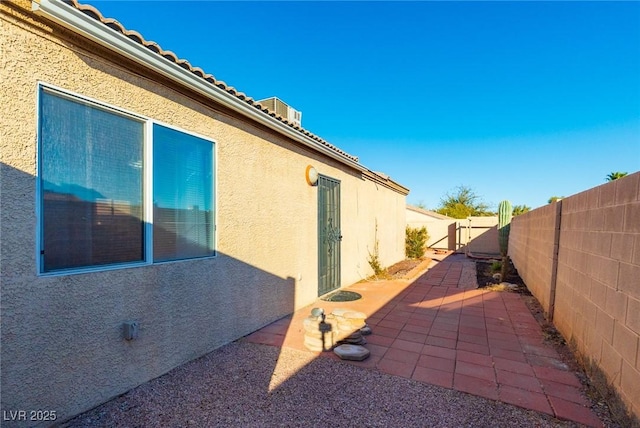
x,y
92,189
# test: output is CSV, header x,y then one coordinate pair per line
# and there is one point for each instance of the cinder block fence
x,y
580,257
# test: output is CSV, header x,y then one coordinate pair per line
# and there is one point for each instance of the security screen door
x,y
329,235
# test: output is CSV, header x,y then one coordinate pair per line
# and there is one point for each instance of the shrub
x,y
416,242
374,258
496,267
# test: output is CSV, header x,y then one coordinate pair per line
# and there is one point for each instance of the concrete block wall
x,y
533,250
597,290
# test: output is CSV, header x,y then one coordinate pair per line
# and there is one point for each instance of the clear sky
x,y
517,100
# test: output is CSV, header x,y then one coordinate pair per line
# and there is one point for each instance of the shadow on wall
x,y
474,234
63,334
269,389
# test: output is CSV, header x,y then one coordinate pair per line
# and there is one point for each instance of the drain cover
x,y
341,296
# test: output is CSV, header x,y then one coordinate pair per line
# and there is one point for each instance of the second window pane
x,y
182,195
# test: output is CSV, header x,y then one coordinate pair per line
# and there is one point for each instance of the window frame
x,y
147,185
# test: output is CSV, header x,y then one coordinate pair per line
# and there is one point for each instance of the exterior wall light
x,y
311,174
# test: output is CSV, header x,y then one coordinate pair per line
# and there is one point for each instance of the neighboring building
x,y
142,198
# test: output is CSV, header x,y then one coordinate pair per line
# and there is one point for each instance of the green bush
x,y
416,242
374,258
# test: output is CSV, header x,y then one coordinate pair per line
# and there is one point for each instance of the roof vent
x,y
280,108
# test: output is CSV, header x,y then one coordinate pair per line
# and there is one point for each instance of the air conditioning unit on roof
x,y
281,108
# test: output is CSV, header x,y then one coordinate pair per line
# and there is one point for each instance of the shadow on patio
x,y
440,329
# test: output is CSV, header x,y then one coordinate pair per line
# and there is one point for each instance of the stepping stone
x,y
352,352
354,339
366,330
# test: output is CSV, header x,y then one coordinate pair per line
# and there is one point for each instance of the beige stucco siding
x,y
62,344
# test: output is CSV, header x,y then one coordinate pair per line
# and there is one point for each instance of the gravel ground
x,y
250,385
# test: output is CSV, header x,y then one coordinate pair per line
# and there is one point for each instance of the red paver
x,y
513,366
396,368
401,355
563,391
441,341
447,334
475,370
380,340
438,351
504,344
509,355
433,376
517,380
574,412
476,386
387,323
439,331
388,332
406,345
527,399
475,358
376,350
476,339
472,347
444,364
413,337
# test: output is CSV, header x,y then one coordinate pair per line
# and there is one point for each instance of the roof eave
x,y
77,21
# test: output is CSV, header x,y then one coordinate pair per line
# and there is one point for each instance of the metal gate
x,y
329,235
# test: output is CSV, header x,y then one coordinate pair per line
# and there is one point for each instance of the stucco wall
x,y
597,296
438,229
476,234
480,234
62,342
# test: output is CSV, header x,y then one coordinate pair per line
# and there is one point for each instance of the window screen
x,y
182,195
91,185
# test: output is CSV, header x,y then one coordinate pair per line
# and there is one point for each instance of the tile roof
x,y
170,56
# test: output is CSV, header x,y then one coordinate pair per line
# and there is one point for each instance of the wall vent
x,y
281,108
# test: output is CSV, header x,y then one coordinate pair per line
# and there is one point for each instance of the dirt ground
x,y
400,269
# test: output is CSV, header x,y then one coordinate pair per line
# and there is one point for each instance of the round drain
x,y
341,296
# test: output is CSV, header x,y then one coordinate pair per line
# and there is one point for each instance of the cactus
x,y
504,225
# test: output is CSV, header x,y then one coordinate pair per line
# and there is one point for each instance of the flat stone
x,y
318,344
366,330
355,335
352,352
354,315
339,312
360,341
348,313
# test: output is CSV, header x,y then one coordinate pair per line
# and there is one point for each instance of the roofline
x,y
429,212
97,31
385,181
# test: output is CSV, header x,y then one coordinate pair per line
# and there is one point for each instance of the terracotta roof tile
x,y
170,56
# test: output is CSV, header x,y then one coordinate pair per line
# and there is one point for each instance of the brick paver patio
x,y
439,328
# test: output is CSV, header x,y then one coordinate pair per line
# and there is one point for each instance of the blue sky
x,y
517,100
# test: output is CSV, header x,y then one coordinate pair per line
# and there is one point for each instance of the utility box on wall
x,y
131,329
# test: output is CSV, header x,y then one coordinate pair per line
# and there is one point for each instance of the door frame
x,y
329,237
